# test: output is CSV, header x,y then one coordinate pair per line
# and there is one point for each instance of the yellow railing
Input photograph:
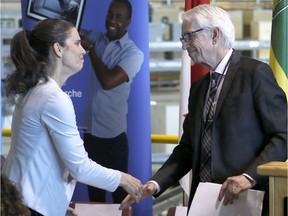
x,y
155,138
6,132
164,139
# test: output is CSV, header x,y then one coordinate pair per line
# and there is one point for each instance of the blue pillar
x,y
139,132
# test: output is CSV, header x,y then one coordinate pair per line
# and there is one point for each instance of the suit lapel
x,y
203,92
229,77
197,117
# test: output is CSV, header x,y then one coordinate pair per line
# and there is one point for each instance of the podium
x,y
278,173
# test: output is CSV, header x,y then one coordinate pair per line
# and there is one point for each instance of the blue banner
x,y
91,15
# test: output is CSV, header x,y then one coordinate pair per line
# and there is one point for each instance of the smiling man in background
x,y
115,60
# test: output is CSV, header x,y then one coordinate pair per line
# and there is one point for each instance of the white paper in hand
x,y
98,209
181,210
205,202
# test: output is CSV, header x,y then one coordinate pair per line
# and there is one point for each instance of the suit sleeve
x,y
271,106
178,164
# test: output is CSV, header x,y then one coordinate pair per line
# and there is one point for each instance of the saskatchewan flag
x,y
279,45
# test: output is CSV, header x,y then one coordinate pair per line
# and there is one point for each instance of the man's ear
x,y
57,48
215,35
216,32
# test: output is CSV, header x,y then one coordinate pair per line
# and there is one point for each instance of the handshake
x,y
136,191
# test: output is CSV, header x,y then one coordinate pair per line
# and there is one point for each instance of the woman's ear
x,y
57,50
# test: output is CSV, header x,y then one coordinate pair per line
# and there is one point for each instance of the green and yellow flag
x,y
279,45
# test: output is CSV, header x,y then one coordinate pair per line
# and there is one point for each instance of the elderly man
x,y
237,116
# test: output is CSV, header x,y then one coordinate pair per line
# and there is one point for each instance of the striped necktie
x,y
205,165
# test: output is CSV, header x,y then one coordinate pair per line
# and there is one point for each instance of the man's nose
x,y
185,46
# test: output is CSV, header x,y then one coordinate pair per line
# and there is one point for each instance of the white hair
x,y
211,16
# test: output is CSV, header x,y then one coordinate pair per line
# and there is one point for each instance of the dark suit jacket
x,y
249,129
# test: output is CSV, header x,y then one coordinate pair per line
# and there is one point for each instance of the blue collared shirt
x,y
107,115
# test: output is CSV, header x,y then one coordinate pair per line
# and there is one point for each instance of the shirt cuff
x,y
253,182
158,189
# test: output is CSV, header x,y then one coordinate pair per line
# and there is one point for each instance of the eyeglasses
x,y
188,36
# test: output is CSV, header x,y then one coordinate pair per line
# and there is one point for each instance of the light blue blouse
x,y
47,155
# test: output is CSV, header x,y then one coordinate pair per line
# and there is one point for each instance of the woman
x,y
47,155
